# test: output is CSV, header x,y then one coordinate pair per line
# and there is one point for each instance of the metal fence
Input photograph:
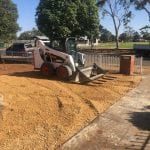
x,y
111,62
16,57
138,65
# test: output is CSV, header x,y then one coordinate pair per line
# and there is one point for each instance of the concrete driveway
x,y
125,125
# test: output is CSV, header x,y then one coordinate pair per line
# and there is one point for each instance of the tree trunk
x,y
117,41
116,35
115,25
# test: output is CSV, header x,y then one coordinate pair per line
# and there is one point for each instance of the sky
x,y
139,20
27,9
26,12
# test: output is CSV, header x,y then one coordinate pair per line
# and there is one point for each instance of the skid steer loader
x,y
61,57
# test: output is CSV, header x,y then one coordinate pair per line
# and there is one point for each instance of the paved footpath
x,y
126,125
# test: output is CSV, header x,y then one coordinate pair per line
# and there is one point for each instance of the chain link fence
x,y
24,57
111,62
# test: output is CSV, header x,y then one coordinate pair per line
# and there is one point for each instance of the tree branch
x,y
148,12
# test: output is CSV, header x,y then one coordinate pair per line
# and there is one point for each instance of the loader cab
x,y
66,45
58,44
71,48
71,45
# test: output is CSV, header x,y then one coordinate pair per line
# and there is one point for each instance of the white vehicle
x,y
28,47
61,57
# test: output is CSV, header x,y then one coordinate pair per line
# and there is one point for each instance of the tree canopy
x,y
65,18
145,31
105,35
8,20
142,5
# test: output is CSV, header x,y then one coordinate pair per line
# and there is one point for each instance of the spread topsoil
x,y
38,113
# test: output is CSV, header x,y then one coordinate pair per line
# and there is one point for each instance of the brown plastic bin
x,y
127,64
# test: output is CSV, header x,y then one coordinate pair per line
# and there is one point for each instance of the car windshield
x,y
28,45
18,47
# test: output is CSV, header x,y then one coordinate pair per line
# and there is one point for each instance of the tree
x,y
129,35
119,12
8,20
29,35
65,18
136,37
142,5
105,35
88,19
145,31
130,32
113,37
124,37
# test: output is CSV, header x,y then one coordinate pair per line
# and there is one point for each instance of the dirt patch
x,y
12,68
146,70
41,113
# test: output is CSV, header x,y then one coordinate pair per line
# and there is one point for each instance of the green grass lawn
x,y
121,44
128,45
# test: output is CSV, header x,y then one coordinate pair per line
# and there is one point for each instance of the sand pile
x,y
40,113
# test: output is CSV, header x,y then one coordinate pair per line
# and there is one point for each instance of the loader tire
x,y
47,69
64,72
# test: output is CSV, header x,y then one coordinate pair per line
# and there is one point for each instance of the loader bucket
x,y
88,74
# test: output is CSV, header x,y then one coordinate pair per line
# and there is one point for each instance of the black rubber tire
x,y
47,69
64,72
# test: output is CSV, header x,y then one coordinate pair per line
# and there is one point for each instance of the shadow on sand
x,y
37,75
